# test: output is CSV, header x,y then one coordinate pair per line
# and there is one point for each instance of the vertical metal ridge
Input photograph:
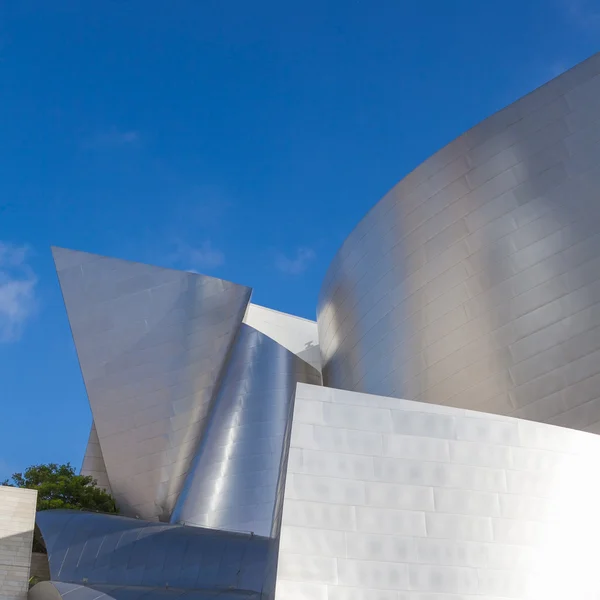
x,y
232,483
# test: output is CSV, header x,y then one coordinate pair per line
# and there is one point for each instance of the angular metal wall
x,y
476,281
55,590
232,484
388,499
109,550
151,344
298,335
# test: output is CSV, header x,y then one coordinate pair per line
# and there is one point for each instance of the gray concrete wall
x,y
388,499
17,519
40,568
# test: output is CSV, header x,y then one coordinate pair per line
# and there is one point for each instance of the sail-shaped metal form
x,y
151,344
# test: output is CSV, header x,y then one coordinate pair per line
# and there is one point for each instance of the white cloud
x,y
112,138
198,258
17,291
296,265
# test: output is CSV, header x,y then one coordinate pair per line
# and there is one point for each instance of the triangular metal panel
x,y
151,344
93,461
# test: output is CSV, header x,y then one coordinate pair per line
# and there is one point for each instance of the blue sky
x,y
240,139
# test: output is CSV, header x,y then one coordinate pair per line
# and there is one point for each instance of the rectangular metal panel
x,y
467,284
495,507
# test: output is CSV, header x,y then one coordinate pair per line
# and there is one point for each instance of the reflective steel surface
x,y
56,590
392,499
107,550
475,282
232,484
151,344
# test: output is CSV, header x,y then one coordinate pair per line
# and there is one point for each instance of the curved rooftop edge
x,y
232,483
475,282
93,549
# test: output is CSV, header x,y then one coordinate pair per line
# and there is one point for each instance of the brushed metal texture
x,y
232,483
151,344
475,282
389,498
108,550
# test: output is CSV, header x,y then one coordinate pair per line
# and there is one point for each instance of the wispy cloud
x,y
17,291
198,258
296,265
112,138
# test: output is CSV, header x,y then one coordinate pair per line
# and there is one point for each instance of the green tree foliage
x,y
59,487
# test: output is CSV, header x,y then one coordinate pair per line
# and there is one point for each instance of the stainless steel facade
x,y
56,590
107,550
475,282
387,499
93,461
151,344
184,395
298,335
232,484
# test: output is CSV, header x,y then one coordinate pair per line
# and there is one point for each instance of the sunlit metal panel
x,y
151,344
475,282
233,482
112,551
388,498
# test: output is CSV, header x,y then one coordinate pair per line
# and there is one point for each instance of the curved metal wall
x,y
232,484
475,282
